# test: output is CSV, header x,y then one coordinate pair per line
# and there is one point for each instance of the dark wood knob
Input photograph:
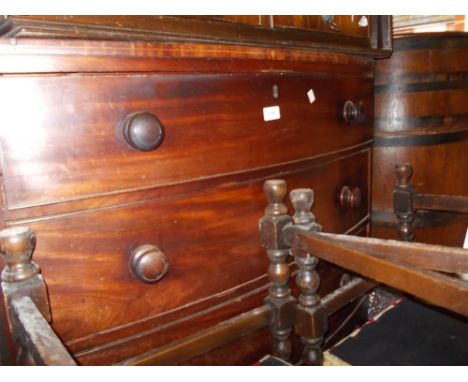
x,y
354,112
143,131
148,263
350,199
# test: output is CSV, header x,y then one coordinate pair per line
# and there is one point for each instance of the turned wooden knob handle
x,y
148,263
350,198
354,112
143,131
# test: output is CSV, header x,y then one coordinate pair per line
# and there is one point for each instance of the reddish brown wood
x,y
451,203
242,30
132,196
156,332
101,239
230,354
421,118
205,340
68,85
224,109
52,56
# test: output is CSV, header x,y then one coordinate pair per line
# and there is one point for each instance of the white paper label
x,y
311,96
363,22
271,113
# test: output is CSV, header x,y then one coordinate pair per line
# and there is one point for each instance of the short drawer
x,y
210,239
62,136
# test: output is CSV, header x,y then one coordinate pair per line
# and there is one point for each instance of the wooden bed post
x,y
25,297
280,300
311,315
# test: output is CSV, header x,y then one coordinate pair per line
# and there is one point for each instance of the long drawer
x,y
62,135
209,237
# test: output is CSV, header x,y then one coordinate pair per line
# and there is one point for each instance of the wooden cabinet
x,y
70,174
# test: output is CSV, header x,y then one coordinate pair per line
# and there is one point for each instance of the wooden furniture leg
x,y
311,315
279,299
403,201
406,202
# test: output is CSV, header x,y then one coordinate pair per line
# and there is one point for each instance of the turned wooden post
x,y
403,201
27,302
311,315
21,276
279,299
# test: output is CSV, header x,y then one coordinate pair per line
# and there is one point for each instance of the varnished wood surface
x,y
70,144
219,233
37,213
205,340
256,345
112,347
173,327
69,176
61,55
421,117
438,169
241,30
227,331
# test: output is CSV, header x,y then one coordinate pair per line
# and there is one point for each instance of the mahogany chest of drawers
x,y
139,166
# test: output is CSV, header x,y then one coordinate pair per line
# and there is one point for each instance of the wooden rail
x,y
362,257
36,335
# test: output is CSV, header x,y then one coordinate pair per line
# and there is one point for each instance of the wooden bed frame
x,y
429,272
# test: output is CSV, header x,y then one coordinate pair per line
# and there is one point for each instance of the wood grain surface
x,y
69,144
421,118
84,255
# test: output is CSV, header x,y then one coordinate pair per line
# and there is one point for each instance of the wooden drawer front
x,y
62,139
210,238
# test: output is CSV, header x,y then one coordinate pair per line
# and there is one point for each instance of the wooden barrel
x,y
421,117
